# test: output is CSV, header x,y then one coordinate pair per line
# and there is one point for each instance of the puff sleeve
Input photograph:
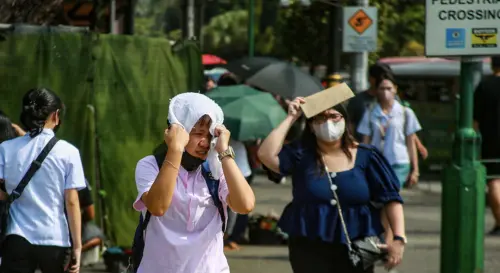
x,y
383,182
289,156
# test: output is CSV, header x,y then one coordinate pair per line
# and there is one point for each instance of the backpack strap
x,y
213,188
405,118
34,167
145,222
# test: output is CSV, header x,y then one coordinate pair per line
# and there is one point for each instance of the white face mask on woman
x,y
329,131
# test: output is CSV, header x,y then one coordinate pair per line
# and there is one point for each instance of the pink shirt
x,y
188,238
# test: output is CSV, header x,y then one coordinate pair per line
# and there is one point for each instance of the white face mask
x,y
329,131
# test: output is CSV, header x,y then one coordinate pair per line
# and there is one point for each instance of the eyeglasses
x,y
323,118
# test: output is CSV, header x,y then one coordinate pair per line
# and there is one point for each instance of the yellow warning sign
x,y
484,37
360,21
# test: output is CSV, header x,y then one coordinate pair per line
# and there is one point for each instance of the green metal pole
x,y
462,216
251,27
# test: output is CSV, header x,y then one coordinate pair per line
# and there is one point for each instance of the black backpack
x,y
138,243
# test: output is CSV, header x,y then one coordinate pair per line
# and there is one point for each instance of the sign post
x,y
359,37
466,29
251,28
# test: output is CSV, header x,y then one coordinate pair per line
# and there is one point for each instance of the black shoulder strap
x,y
405,119
213,188
146,220
35,165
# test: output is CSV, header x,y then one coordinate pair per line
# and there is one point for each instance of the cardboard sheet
x,y
326,99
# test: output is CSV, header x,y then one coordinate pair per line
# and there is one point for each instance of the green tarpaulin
x,y
116,90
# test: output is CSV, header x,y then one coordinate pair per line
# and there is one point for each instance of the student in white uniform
x,y
392,128
37,231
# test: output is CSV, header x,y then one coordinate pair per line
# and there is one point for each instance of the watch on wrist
x,y
400,238
229,152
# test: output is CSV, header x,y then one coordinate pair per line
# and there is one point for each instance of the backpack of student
x,y
138,243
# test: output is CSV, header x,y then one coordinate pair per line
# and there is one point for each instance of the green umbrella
x,y
248,113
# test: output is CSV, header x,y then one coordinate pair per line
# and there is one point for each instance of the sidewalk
x,y
423,223
434,186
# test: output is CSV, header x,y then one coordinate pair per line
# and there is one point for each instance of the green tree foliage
x,y
226,35
412,29
296,31
400,26
149,17
303,31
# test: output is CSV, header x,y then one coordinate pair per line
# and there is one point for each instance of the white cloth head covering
x,y
186,109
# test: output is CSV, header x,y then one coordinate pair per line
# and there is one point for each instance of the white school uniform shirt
x,y
394,148
38,215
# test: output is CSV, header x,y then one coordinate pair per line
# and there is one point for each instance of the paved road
x,y
422,211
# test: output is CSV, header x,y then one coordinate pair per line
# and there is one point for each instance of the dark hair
x,y
38,104
495,62
209,78
228,79
347,140
383,77
6,130
378,69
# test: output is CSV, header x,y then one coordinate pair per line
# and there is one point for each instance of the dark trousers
x,y
19,256
241,223
307,256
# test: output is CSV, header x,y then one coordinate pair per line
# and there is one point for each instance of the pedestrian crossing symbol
x,y
360,21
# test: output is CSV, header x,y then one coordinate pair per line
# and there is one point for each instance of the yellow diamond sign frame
x,y
360,21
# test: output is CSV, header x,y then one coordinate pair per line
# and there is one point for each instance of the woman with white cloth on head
x,y
184,234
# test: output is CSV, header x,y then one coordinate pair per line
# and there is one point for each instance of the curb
x,y
429,186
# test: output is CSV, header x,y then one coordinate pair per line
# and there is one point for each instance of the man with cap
x,y
362,101
487,98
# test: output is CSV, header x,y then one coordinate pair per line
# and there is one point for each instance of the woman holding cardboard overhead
x,y
339,189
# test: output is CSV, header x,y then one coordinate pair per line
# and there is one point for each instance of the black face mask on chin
x,y
189,162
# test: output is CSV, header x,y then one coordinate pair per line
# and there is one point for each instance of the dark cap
x,y
378,69
228,79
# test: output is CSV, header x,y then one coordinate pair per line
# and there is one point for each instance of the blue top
x,y
369,183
